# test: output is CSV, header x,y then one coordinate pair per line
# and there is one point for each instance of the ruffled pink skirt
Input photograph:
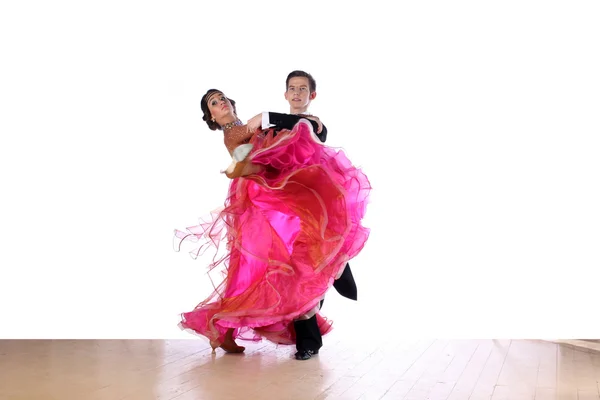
x,y
289,232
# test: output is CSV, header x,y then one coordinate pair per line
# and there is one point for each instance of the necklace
x,y
230,125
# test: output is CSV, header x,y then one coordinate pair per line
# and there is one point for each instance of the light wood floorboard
x,y
351,369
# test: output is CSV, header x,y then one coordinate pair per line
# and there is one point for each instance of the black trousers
x,y
308,335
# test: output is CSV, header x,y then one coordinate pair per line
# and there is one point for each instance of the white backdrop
x,y
477,125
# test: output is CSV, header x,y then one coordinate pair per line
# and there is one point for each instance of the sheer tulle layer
x,y
289,232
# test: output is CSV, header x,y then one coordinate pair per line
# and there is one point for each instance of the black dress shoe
x,y
305,354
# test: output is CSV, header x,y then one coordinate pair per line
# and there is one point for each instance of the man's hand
x,y
254,123
316,119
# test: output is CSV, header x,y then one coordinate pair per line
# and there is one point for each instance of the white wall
x,y
477,125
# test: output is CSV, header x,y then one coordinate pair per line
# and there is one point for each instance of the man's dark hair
x,y
312,84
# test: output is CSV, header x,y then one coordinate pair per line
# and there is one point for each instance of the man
x,y
301,90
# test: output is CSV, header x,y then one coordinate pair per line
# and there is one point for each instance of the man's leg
x,y
345,284
308,338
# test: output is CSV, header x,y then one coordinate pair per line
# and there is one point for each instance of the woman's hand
x,y
243,168
316,119
254,123
236,172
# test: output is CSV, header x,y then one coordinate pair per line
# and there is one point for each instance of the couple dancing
x,y
291,221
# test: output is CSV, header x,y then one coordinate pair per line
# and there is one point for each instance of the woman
x,y
291,222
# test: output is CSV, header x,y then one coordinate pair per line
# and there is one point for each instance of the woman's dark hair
x,y
207,117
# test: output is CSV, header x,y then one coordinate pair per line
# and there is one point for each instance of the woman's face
x,y
220,107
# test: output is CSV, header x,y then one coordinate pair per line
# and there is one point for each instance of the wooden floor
x,y
345,369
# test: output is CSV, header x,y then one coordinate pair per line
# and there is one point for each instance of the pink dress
x,y
289,232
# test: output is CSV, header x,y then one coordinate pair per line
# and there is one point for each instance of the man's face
x,y
298,92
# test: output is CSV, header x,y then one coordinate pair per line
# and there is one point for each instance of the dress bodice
x,y
236,136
